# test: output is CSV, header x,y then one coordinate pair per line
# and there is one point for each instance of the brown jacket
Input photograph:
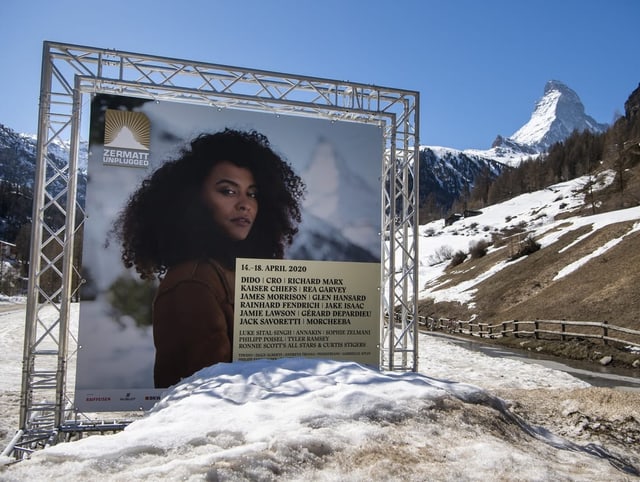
x,y
192,320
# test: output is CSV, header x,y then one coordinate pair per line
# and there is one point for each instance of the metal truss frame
x,y
70,75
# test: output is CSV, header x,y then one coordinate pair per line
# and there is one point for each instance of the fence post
x,y
562,329
605,332
535,330
515,328
504,329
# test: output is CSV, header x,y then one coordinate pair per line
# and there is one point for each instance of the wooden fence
x,y
538,329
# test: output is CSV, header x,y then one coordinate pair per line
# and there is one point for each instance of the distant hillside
x,y
585,270
447,174
17,176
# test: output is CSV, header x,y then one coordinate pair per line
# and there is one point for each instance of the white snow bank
x,y
301,419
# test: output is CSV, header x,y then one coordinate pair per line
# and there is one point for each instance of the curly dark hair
x,y
166,222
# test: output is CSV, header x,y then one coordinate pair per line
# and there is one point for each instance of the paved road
x,y
8,307
611,377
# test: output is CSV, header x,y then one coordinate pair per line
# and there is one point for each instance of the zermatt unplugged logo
x,y
126,139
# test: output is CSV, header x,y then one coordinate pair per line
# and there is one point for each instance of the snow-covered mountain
x,y
556,115
318,240
448,172
445,173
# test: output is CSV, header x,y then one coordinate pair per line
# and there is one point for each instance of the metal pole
x,y
67,269
416,225
406,258
36,235
1,262
392,245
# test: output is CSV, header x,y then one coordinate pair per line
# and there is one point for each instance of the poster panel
x,y
340,163
320,309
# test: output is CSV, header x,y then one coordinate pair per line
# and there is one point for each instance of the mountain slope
x,y
18,153
584,271
17,177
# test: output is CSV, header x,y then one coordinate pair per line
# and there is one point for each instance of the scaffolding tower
x,y
71,74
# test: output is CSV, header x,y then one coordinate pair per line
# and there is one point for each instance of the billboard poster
x,y
298,308
338,239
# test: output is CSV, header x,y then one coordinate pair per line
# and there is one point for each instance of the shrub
x,y
528,246
458,258
510,231
443,253
478,249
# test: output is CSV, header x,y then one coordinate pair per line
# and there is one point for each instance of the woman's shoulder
x,y
202,271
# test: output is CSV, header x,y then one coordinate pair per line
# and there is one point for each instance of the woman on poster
x,y
228,195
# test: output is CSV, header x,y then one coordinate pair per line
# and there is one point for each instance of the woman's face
x,y
231,194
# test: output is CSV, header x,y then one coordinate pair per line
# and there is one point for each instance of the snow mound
x,y
300,419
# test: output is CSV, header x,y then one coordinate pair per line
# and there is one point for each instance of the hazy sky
x,y
479,65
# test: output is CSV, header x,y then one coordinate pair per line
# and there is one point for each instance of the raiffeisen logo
x,y
127,137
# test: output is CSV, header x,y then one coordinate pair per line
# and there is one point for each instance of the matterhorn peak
x,y
556,115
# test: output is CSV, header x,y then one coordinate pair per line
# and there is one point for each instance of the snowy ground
x,y
464,416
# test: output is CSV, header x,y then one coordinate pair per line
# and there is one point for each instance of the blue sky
x,y
479,65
